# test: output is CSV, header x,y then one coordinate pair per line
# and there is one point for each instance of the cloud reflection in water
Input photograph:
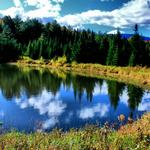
x,y
103,90
90,112
45,103
143,106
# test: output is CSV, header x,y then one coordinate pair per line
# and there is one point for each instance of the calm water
x,y
33,99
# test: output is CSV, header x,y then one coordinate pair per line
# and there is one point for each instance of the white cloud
x,y
31,3
12,11
42,12
41,3
43,9
17,3
90,112
134,11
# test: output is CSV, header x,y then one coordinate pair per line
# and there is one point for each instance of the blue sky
x,y
98,15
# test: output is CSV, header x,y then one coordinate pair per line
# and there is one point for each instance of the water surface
x,y
32,99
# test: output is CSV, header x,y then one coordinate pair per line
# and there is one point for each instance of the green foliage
x,y
138,51
132,61
51,40
131,136
110,54
115,60
9,49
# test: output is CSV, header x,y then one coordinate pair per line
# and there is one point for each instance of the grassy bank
x,y
132,136
139,76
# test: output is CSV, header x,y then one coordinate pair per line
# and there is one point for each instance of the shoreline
x,y
132,136
91,136
138,76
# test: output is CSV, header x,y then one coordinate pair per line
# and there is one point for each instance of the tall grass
x,y
135,136
138,75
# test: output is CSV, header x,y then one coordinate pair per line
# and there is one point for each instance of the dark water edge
x,y
43,99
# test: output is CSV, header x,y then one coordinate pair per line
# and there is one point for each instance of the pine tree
x,y
115,59
75,51
132,61
103,50
28,51
110,53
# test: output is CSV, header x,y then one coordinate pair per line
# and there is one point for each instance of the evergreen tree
x,y
138,48
104,46
34,39
132,60
115,59
110,53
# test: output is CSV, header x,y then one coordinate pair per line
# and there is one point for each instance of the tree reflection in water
x,y
14,81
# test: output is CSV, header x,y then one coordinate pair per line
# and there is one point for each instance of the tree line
x,y
36,40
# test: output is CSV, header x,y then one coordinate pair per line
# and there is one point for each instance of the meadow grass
x,y
139,76
133,136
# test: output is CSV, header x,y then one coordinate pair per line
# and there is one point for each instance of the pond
x,y
43,99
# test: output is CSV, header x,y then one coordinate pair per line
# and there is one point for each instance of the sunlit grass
x,y
132,136
138,75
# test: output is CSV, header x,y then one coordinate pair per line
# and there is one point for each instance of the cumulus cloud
x,y
90,112
12,11
43,3
17,3
134,11
44,8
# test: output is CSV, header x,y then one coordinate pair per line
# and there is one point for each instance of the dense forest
x,y
32,38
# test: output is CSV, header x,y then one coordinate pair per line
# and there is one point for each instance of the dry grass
x,y
139,76
129,137
142,125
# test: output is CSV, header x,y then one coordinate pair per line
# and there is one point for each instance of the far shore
x,y
138,76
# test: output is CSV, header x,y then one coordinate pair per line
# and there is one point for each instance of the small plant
x,y
91,137
121,119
